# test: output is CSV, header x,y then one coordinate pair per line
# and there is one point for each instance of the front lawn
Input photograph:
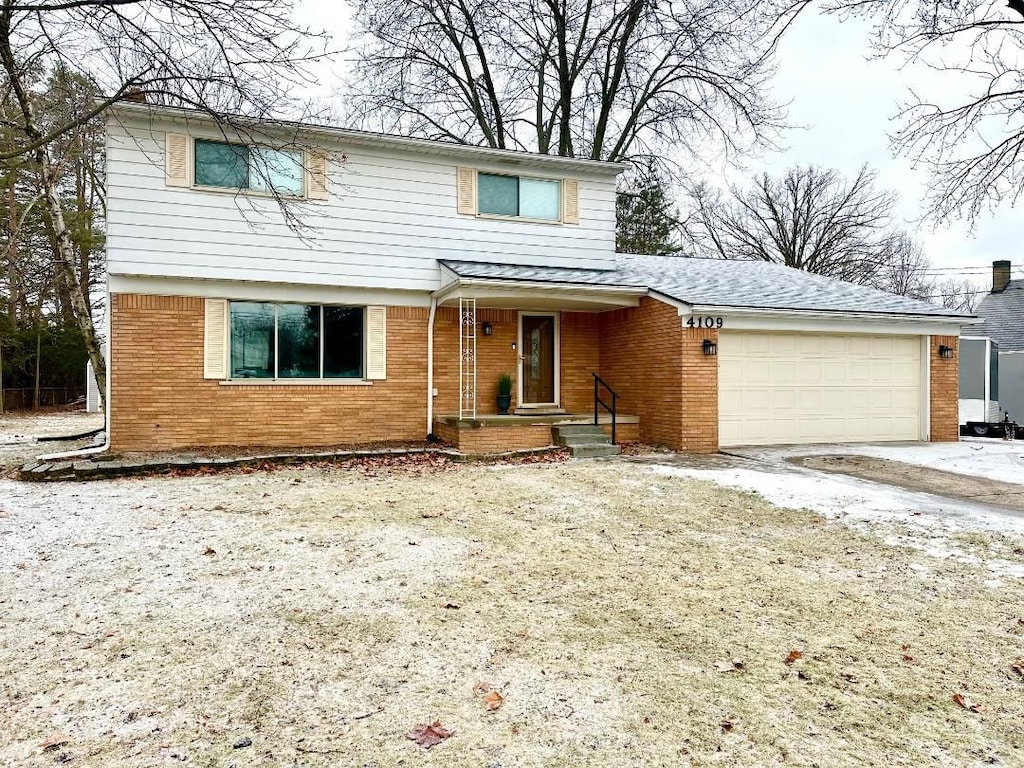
x,y
625,617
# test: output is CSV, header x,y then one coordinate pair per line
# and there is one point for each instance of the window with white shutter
x,y
376,342
215,339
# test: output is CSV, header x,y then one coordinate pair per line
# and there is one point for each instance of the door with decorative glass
x,y
539,356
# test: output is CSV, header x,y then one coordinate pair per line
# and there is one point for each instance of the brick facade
x,y
662,374
944,390
161,400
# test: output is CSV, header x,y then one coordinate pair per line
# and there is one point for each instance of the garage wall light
x,y
710,348
488,329
944,351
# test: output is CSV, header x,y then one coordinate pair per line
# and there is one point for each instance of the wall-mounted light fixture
x,y
488,329
944,351
710,348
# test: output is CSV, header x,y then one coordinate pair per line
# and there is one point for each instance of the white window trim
x,y
296,381
557,374
527,219
246,191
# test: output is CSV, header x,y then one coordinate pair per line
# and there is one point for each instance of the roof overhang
x,y
349,136
527,295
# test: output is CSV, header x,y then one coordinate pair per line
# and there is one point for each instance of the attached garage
x,y
779,388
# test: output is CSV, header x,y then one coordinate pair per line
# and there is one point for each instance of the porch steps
x,y
584,441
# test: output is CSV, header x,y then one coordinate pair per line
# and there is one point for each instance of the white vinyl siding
x,y
390,217
781,388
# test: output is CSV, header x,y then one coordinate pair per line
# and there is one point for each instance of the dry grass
x,y
596,597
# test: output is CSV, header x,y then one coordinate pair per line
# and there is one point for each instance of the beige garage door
x,y
779,388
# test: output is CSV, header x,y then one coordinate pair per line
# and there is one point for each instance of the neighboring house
x,y
432,268
1003,313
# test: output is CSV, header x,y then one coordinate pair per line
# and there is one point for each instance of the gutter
x,y
817,313
427,146
497,282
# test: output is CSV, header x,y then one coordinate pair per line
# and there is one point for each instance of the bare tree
x,y
960,294
971,136
811,219
222,57
611,80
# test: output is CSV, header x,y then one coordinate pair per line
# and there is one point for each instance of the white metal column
x,y
467,358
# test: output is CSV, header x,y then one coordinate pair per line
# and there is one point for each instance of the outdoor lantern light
x,y
945,351
488,329
710,348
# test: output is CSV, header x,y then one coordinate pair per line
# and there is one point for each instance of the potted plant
x,y
504,393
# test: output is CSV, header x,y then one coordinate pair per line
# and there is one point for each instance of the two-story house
x,y
422,271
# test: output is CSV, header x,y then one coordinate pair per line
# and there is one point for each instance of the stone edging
x,y
90,469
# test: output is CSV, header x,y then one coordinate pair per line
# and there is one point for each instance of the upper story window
x,y
531,199
519,196
236,166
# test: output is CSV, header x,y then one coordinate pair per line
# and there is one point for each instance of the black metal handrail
x,y
598,383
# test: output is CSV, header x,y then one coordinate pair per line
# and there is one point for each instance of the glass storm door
x,y
538,355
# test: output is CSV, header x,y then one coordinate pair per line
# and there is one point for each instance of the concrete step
x,y
593,450
538,411
584,438
577,429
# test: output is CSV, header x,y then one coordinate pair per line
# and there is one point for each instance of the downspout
x,y
106,403
430,365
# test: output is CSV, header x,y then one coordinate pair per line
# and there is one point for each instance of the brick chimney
x,y
1000,275
135,94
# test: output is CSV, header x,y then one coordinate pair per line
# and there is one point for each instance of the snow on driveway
x,y
935,524
978,457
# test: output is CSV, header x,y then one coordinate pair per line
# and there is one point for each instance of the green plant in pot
x,y
504,393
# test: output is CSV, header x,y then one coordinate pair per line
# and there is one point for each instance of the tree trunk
x,y
64,263
35,388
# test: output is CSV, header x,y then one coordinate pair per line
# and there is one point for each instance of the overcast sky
x,y
844,106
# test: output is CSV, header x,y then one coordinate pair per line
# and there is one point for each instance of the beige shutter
x,y
316,175
176,160
570,201
215,345
376,342
467,190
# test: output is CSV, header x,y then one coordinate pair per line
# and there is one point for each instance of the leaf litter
x,y
604,606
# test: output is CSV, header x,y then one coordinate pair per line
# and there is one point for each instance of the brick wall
x,y
662,375
579,357
161,400
944,394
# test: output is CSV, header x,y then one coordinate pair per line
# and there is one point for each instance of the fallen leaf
x,y
1018,666
428,736
492,699
53,741
727,724
801,675
849,677
963,701
4,513
209,551
452,605
729,666
908,658
431,514
794,655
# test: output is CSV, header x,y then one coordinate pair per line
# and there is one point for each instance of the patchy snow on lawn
x,y
933,524
1001,460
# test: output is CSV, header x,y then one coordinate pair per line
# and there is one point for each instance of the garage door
x,y
778,388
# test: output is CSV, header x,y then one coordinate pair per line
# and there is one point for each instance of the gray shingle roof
x,y
719,283
1004,316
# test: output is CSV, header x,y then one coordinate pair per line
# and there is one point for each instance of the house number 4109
x,y
704,322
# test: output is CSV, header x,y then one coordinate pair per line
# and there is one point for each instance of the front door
x,y
539,338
